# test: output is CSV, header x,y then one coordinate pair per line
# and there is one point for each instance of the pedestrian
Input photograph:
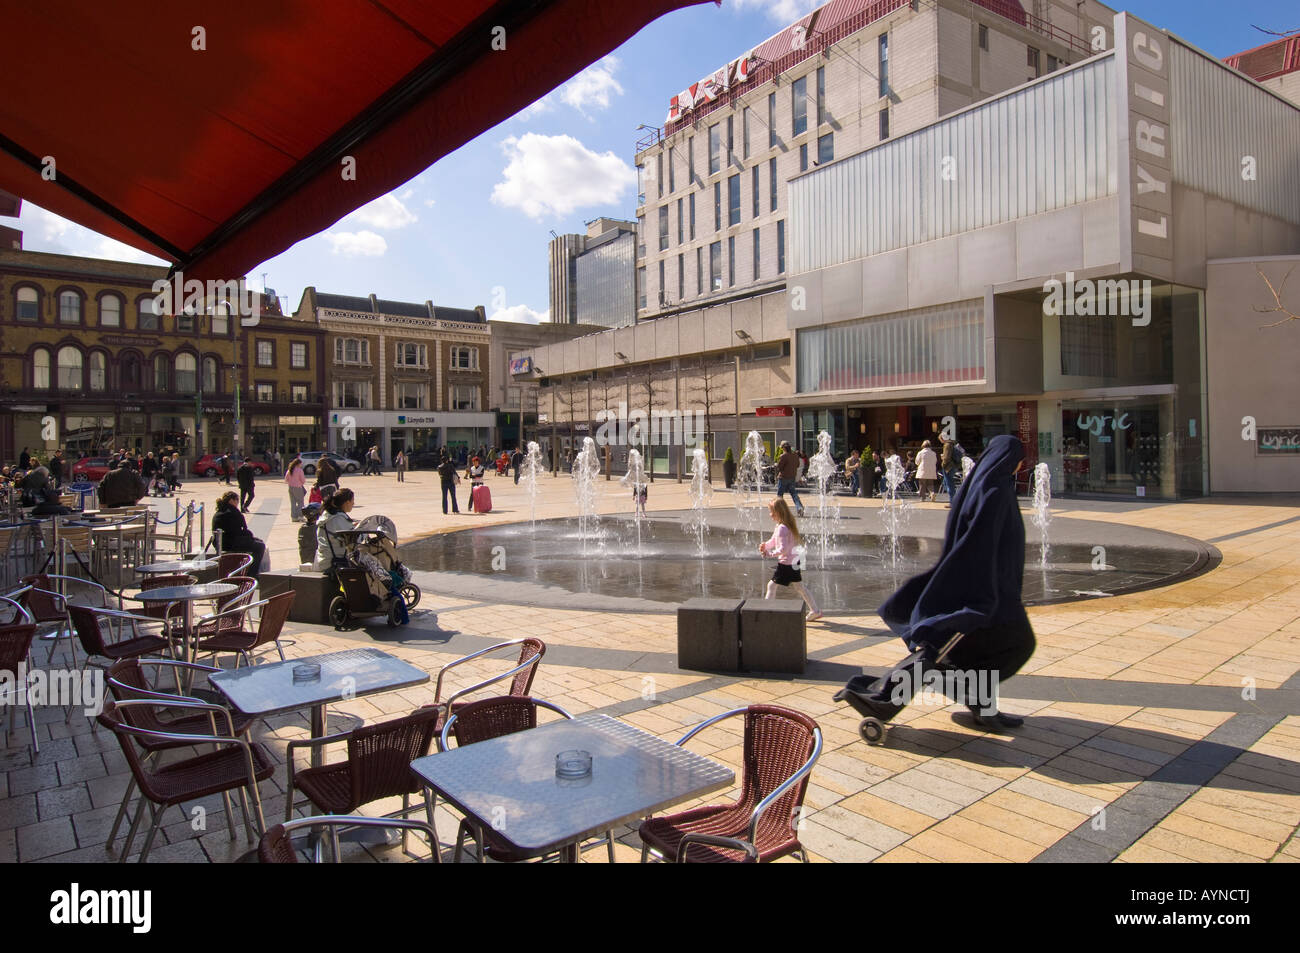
x,y
950,467
149,467
853,470
56,468
223,462
245,476
327,472
449,477
399,464
121,486
376,461
877,474
787,547
296,481
24,460
336,520
803,468
168,467
475,475
787,466
966,614
517,461
277,461
235,534
927,471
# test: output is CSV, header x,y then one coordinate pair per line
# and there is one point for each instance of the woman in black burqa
x,y
974,589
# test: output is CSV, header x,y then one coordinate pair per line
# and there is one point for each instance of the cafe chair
x,y
781,746
240,637
15,663
223,616
126,680
233,764
492,718
378,766
277,847
48,606
233,564
521,674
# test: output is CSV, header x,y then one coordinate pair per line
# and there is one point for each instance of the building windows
x,y
663,228
681,223
640,234
464,359
69,307
98,371
464,397
110,311
298,393
672,172
754,182
771,120
640,185
41,369
690,160
731,261
699,270
210,373
29,310
757,254
733,200
984,38
161,373
882,63
780,247
744,132
640,288
825,148
146,314
663,287
221,320
410,396
69,368
692,204
264,392
715,147
715,266
681,277
803,157
1052,63
130,373
884,123
298,355
771,185
265,353
659,174
410,354
717,206
1032,60
731,140
186,374
821,95
352,394
799,106
351,351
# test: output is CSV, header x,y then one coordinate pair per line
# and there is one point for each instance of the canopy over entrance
x,y
217,135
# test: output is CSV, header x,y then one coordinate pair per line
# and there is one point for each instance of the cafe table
x,y
509,785
176,566
187,596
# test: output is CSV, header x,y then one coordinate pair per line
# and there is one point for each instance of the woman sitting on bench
x,y
235,534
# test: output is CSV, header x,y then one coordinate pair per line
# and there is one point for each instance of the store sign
x,y
130,340
774,412
711,87
1027,430
543,418
521,365
416,420
1275,441
1146,60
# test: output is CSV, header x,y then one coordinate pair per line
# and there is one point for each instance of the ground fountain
x,y
894,511
748,489
636,479
532,465
1042,503
586,470
701,491
821,468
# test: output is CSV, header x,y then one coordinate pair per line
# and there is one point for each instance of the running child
x,y
785,538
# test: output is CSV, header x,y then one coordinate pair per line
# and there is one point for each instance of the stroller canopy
x,y
379,524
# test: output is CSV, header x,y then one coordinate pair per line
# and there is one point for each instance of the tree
x,y
711,390
1278,307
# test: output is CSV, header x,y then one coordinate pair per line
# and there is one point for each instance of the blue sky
x,y
473,228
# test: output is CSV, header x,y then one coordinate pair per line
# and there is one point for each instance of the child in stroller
x,y
160,485
373,581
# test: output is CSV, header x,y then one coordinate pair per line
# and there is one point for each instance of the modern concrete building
x,y
592,279
1275,66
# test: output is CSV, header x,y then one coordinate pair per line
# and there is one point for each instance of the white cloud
x,y
352,244
521,314
45,231
554,175
387,211
593,86
785,11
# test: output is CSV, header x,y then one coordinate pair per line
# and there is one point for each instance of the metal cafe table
x,y
187,595
509,784
186,566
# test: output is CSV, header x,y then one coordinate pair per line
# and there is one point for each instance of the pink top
x,y
781,545
295,478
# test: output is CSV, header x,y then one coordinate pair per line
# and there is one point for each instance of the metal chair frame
x,y
533,662
348,821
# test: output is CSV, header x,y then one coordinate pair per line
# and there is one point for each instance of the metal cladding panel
x,y
1219,119
1047,146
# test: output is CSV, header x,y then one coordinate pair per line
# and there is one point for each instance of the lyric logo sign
x,y
178,295
1146,62
711,87
1107,297
619,428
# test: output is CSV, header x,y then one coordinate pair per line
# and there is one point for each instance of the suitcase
x,y
482,499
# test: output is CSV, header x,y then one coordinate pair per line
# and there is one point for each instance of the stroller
x,y
372,580
160,485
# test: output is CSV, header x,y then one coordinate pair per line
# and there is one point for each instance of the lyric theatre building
x,y
1089,261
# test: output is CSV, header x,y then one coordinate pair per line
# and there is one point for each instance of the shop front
x,y
392,431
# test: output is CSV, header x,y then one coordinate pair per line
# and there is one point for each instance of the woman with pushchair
x,y
337,520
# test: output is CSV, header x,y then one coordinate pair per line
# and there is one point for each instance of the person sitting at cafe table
x,y
236,537
50,505
121,486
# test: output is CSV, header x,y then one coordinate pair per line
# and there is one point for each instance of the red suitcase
x,y
482,499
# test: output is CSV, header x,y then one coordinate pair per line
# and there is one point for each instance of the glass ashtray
x,y
306,672
573,765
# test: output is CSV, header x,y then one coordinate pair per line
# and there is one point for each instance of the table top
x,y
270,688
177,565
205,590
509,782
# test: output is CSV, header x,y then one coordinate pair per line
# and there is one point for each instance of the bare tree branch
x,y
1278,308
1275,32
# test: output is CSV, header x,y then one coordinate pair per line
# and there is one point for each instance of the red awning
x,y
220,158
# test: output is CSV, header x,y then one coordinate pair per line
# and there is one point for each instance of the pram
x,y
160,485
372,580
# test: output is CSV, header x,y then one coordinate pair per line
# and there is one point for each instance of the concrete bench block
x,y
708,635
773,636
315,592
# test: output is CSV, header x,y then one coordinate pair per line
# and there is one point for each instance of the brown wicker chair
x,y
378,766
15,651
235,765
233,564
521,675
221,618
241,639
492,718
277,844
781,747
86,620
48,605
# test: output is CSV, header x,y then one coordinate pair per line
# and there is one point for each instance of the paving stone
x,y
45,838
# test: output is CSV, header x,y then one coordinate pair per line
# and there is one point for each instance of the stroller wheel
x,y
871,730
411,595
339,612
392,612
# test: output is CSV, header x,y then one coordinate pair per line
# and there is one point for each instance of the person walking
x,y
950,467
296,481
327,472
56,468
399,464
787,547
787,467
449,477
517,461
475,475
245,476
927,471
967,614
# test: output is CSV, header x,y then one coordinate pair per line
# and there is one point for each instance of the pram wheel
x,y
871,730
411,595
393,618
339,612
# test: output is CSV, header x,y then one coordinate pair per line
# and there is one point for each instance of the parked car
x,y
312,458
206,465
423,459
90,468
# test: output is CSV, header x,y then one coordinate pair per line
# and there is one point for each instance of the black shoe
x,y
996,720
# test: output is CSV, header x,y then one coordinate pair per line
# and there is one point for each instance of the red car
x,y
90,468
206,465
